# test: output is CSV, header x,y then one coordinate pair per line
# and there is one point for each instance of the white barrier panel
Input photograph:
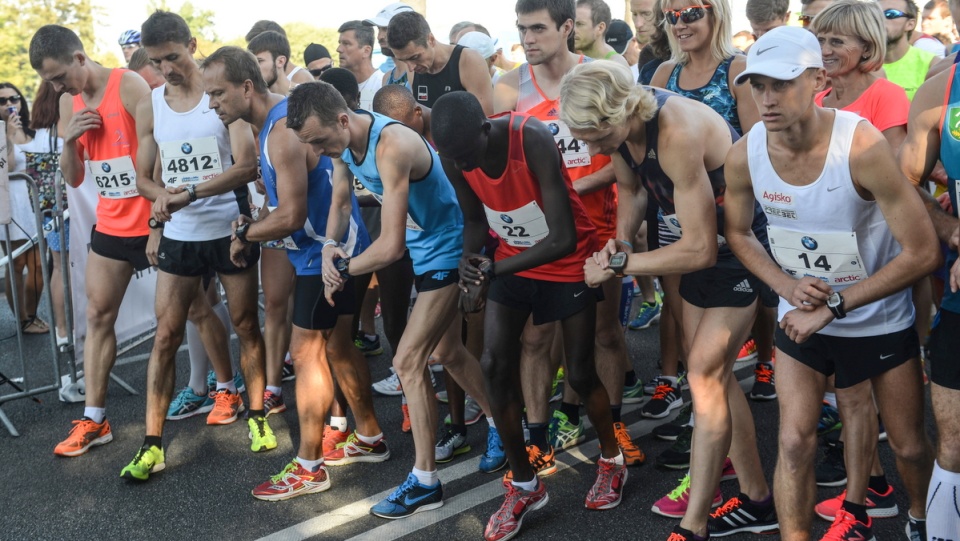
x,y
137,315
6,212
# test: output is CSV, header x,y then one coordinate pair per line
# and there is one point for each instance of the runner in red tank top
x,y
544,236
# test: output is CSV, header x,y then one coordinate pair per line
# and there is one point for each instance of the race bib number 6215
x,y
116,178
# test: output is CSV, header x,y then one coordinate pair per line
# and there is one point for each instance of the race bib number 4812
x,y
191,161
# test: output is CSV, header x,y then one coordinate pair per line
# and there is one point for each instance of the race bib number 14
x,y
116,178
831,257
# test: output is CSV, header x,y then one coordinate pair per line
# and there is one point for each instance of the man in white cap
x,y
487,47
848,238
399,74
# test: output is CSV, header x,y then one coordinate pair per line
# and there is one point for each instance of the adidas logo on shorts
x,y
743,287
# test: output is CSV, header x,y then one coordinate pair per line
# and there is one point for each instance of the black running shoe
x,y
739,514
763,383
677,457
831,471
670,431
666,398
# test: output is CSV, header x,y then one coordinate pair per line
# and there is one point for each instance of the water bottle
x,y
626,300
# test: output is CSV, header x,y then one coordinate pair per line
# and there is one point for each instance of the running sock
x,y
615,412
370,440
228,385
943,519
150,441
458,429
528,486
630,378
618,460
572,411
830,398
426,478
339,423
275,390
95,414
310,465
198,360
256,413
538,435
878,484
858,511
766,502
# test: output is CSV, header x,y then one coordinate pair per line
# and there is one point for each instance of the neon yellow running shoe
x,y
261,437
148,460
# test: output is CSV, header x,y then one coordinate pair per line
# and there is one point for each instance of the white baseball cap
x,y
382,19
782,53
482,43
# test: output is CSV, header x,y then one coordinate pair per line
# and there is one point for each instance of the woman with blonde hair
x,y
676,148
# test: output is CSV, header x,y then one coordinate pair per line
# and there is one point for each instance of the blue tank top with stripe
x,y
716,93
950,156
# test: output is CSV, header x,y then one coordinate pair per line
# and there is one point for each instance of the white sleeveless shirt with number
x,y
826,230
194,147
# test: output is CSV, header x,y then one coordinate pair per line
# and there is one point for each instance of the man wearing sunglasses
x,y
904,64
808,10
317,59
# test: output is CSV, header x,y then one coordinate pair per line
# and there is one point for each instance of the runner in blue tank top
x,y
420,212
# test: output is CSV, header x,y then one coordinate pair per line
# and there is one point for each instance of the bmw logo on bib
x,y
105,167
186,148
506,219
809,243
554,129
675,222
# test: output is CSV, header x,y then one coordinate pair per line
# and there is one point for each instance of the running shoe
x,y
226,406
85,434
646,316
878,505
606,492
562,433
748,351
294,480
846,528
674,504
763,383
187,404
665,399
409,498
632,454
650,387
450,445
369,347
442,397
332,438
832,470
472,412
728,473
493,458
739,514
434,364
829,420
148,460
273,403
506,522
916,529
544,464
683,534
237,382
555,393
389,385
288,373
677,456
354,450
670,431
261,436
633,394
405,425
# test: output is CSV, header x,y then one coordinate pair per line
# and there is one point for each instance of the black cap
x,y
315,51
618,35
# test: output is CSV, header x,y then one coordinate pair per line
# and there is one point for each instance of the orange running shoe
x,y
226,406
632,454
405,426
85,434
543,463
748,351
332,438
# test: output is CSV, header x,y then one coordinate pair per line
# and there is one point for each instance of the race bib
x,y
116,178
411,225
956,202
673,224
190,162
573,150
359,189
286,242
831,257
522,227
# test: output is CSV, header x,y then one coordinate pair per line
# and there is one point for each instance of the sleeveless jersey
x,y
434,221
292,73
513,204
601,205
194,147
660,186
826,230
115,139
428,87
716,93
910,71
307,241
950,156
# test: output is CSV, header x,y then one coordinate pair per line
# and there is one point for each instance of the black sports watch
x,y
191,190
241,232
343,264
486,268
154,224
617,263
835,304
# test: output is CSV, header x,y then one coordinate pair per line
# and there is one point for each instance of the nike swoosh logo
x,y
832,188
207,111
575,295
408,502
884,357
761,51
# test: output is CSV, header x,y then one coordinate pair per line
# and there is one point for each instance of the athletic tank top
x,y
716,93
393,80
194,147
513,204
660,186
112,152
428,87
292,73
601,205
434,222
305,244
826,230
950,156
910,71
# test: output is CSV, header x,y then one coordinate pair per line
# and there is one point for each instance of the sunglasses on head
x,y
687,15
12,100
894,14
318,71
804,20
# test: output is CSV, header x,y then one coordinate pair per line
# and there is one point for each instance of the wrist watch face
x,y
833,300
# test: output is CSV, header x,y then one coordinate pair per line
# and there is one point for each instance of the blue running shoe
x,y
237,381
493,458
409,498
187,404
829,420
648,315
